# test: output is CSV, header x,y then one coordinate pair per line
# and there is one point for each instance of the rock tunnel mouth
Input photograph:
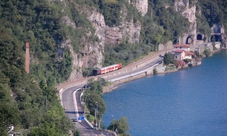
x,y
215,38
189,40
199,37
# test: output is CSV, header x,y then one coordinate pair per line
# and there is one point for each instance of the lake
x,y
189,102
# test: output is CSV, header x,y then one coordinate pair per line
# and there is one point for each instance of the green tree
x,y
95,103
168,59
8,116
76,133
46,129
120,126
207,52
155,72
95,86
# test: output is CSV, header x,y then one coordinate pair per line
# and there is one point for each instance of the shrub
x,y
169,59
207,52
155,72
187,61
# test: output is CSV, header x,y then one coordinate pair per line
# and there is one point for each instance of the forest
x,y
29,101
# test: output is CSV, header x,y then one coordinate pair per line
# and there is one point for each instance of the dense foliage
x,y
124,53
93,98
39,24
212,12
162,24
31,107
168,59
120,126
159,25
29,102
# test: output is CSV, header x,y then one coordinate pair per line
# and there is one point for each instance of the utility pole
x,y
96,115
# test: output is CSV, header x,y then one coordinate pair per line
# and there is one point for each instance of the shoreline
x,y
114,85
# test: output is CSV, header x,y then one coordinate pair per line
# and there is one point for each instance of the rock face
x,y
89,55
68,22
167,46
189,13
76,60
219,32
114,35
141,5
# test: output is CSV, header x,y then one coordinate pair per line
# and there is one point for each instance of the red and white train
x,y
107,69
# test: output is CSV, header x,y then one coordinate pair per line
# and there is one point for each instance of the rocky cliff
x,y
129,31
114,35
141,5
92,53
188,37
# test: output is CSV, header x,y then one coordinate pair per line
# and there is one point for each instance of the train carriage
x,y
107,69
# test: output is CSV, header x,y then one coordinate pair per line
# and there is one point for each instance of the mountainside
x,y
68,38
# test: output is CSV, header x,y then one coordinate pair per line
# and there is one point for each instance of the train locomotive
x,y
107,69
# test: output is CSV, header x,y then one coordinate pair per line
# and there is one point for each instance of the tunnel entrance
x,y
199,37
215,38
189,40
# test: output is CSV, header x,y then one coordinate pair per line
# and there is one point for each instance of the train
x,y
99,71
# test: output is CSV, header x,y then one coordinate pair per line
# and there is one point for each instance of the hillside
x,y
68,38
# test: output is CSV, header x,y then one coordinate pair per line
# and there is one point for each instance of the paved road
x,y
71,95
83,81
91,132
155,61
68,102
69,98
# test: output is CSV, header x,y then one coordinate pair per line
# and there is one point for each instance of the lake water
x,y
190,102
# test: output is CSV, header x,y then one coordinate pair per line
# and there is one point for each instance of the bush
x,y
121,126
94,100
187,61
169,59
87,72
155,72
207,52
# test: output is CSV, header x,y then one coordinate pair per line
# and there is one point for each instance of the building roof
x,y
182,45
178,51
187,53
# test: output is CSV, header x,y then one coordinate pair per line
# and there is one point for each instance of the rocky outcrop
x,y
77,62
128,31
188,37
141,5
68,22
217,28
167,46
89,55
218,31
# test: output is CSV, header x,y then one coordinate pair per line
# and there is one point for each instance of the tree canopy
x,y
120,126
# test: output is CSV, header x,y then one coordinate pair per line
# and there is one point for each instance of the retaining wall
x,y
114,85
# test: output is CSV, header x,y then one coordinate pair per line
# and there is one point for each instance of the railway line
x,y
70,91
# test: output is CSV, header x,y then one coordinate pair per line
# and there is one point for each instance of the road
x,y
157,60
70,100
71,95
